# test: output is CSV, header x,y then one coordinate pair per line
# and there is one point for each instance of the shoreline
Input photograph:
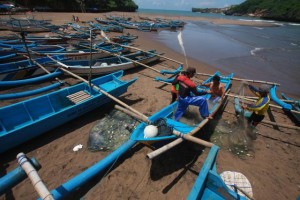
x,y
172,175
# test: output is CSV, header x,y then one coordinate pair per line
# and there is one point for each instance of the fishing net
x,y
163,128
111,131
235,136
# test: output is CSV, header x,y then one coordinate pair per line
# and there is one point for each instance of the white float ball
x,y
150,131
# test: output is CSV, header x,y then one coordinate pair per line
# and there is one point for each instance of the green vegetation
x,y
79,5
284,10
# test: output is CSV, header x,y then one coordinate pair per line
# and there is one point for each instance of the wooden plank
x,y
78,97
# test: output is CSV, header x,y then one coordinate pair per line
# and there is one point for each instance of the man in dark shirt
x,y
186,87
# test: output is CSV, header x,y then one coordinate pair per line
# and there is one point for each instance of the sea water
x,y
251,52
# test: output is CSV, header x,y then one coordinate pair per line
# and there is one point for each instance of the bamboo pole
x,y
117,55
273,123
97,88
177,133
43,68
36,181
249,97
271,105
166,147
242,191
146,51
247,80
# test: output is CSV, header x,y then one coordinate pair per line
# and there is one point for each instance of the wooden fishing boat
x,y
29,92
24,68
28,119
32,80
167,113
111,64
80,54
66,189
274,97
295,106
17,44
124,38
210,185
42,49
5,55
15,176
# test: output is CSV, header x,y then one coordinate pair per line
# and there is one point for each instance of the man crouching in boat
x,y
186,86
217,89
261,106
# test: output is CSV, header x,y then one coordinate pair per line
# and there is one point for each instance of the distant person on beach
x,y
185,98
217,89
261,106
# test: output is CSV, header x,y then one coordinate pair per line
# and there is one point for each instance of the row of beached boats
x,y
43,113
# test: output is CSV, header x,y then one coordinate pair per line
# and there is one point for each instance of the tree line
x,y
79,5
284,10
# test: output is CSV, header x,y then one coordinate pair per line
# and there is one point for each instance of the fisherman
x,y
260,107
185,98
175,88
217,89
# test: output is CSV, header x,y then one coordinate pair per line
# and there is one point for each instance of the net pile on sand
x,y
111,131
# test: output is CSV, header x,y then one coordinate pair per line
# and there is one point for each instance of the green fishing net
x,y
111,131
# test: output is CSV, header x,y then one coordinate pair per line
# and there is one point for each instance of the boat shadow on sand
x,y
184,156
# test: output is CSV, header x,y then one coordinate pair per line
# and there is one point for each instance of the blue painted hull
x,y
209,184
15,176
168,113
29,80
24,68
75,183
25,120
285,106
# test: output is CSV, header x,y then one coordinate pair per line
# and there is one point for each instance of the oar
x,y
247,80
146,51
117,55
271,105
166,147
142,116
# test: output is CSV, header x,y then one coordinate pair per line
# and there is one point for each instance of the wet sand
x,y
272,166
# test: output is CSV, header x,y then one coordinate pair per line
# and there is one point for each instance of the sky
x,y
185,4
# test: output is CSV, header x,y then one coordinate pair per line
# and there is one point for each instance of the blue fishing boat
x,y
110,64
28,119
295,106
24,68
6,55
124,38
15,176
274,97
168,112
210,185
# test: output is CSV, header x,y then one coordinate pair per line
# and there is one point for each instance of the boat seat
x,y
78,97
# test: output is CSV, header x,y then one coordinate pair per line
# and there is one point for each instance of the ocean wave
x,y
255,50
293,44
259,28
294,24
257,20
279,24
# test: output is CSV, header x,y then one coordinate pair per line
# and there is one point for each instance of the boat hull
x,y
168,112
25,120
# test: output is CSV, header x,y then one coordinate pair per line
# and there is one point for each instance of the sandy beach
x,y
272,164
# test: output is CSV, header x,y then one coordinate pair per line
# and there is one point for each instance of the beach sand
x,y
272,165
